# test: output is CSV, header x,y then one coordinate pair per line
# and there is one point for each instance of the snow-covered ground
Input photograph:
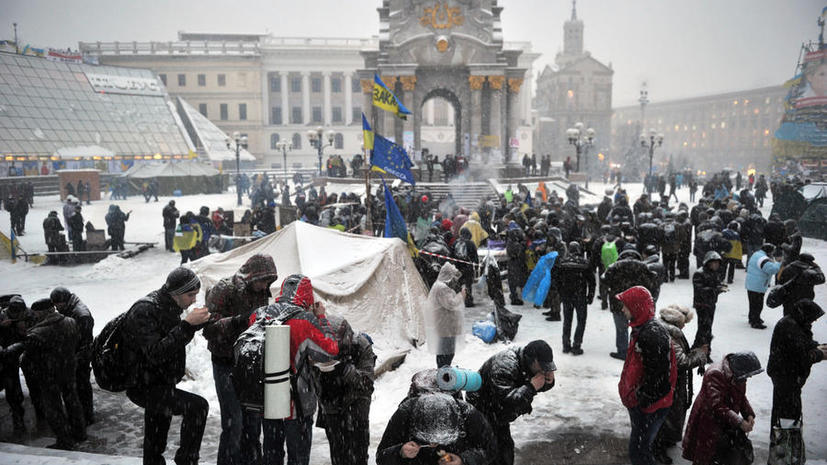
x,y
581,417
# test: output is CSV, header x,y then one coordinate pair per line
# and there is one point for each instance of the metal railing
x,y
206,47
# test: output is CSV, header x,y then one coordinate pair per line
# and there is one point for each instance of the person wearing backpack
x,y
156,337
68,304
464,249
231,301
670,245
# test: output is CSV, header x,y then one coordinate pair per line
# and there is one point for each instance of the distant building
x,y
578,88
729,130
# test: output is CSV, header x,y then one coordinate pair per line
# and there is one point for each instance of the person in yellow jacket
x,y
736,253
478,234
188,236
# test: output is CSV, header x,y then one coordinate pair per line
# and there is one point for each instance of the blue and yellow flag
x,y
367,134
391,158
394,222
386,100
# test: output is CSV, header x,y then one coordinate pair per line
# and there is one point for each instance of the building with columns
x,y
275,88
578,88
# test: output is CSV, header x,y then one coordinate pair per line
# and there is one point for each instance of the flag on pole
x,y
391,158
367,134
395,225
386,100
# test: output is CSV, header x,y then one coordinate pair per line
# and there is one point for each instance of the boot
x,y
554,316
19,425
576,350
661,457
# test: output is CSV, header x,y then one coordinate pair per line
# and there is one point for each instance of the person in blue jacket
x,y
760,270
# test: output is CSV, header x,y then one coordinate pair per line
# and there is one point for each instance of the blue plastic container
x,y
485,330
176,193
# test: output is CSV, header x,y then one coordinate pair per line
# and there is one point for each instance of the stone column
x,y
285,100
265,104
348,111
407,97
476,130
495,84
513,111
327,110
306,113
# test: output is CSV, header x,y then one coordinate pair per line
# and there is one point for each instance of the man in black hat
x,y
170,214
510,380
156,337
68,304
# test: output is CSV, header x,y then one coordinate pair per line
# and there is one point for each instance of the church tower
x,y
573,34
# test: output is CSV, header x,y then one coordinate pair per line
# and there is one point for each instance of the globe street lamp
x,y
238,142
581,140
285,147
316,137
654,139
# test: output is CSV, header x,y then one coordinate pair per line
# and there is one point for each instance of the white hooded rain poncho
x,y
444,318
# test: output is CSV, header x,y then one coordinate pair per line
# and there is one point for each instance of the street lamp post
x,y
317,137
654,139
237,142
285,147
581,140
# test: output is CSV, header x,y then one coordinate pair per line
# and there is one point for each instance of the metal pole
x,y
651,155
238,171
16,45
284,152
586,164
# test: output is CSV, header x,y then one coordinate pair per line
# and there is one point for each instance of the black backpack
x,y
113,365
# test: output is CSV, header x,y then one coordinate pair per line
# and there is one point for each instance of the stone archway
x,y
451,98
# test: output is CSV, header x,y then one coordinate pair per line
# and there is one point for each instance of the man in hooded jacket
x,y
155,338
311,339
792,353
510,381
577,289
116,224
51,231
444,315
231,302
345,394
70,305
628,271
706,285
650,372
799,279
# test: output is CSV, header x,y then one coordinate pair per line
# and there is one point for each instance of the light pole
x,y
285,147
238,142
654,139
316,137
581,140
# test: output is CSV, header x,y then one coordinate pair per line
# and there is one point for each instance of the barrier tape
x,y
449,258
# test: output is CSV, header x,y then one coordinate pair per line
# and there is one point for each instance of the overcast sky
x,y
681,48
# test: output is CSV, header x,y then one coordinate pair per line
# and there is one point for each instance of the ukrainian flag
x,y
384,99
367,133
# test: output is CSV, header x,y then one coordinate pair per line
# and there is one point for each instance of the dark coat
x,y
805,275
515,248
622,275
506,391
156,338
792,351
706,286
170,214
476,444
347,390
50,348
720,406
51,230
575,280
231,302
78,311
76,223
774,233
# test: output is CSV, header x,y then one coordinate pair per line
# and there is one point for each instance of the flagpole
x,y
368,217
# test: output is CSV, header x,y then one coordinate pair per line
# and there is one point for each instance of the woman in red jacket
x,y
720,410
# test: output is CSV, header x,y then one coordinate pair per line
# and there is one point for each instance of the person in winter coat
x,y
671,245
68,211
684,237
774,231
647,382
15,317
188,236
231,301
510,381
465,250
736,252
76,225
311,340
116,224
517,269
18,214
628,271
721,410
49,353
345,394
436,428
155,337
444,315
792,353
760,270
51,231
674,318
70,305
799,280
651,258
207,230
577,289
170,214
706,287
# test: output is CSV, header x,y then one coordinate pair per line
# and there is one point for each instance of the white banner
x,y
114,84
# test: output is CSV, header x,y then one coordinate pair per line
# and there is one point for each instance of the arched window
x,y
297,141
339,141
274,139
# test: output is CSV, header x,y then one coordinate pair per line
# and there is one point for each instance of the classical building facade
x,y
728,130
454,51
273,88
578,88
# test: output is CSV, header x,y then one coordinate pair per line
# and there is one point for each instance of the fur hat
x,y
677,315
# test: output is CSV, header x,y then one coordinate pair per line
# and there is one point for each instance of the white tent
x,y
372,282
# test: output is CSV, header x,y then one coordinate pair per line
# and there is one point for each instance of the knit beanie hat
x,y
182,280
259,267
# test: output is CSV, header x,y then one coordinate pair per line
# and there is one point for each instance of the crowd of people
x,y
16,199
557,255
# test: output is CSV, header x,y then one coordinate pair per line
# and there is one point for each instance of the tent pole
x,y
368,215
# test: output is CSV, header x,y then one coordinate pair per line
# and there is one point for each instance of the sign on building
x,y
115,84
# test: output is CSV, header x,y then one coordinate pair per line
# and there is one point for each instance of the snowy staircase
x,y
466,194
